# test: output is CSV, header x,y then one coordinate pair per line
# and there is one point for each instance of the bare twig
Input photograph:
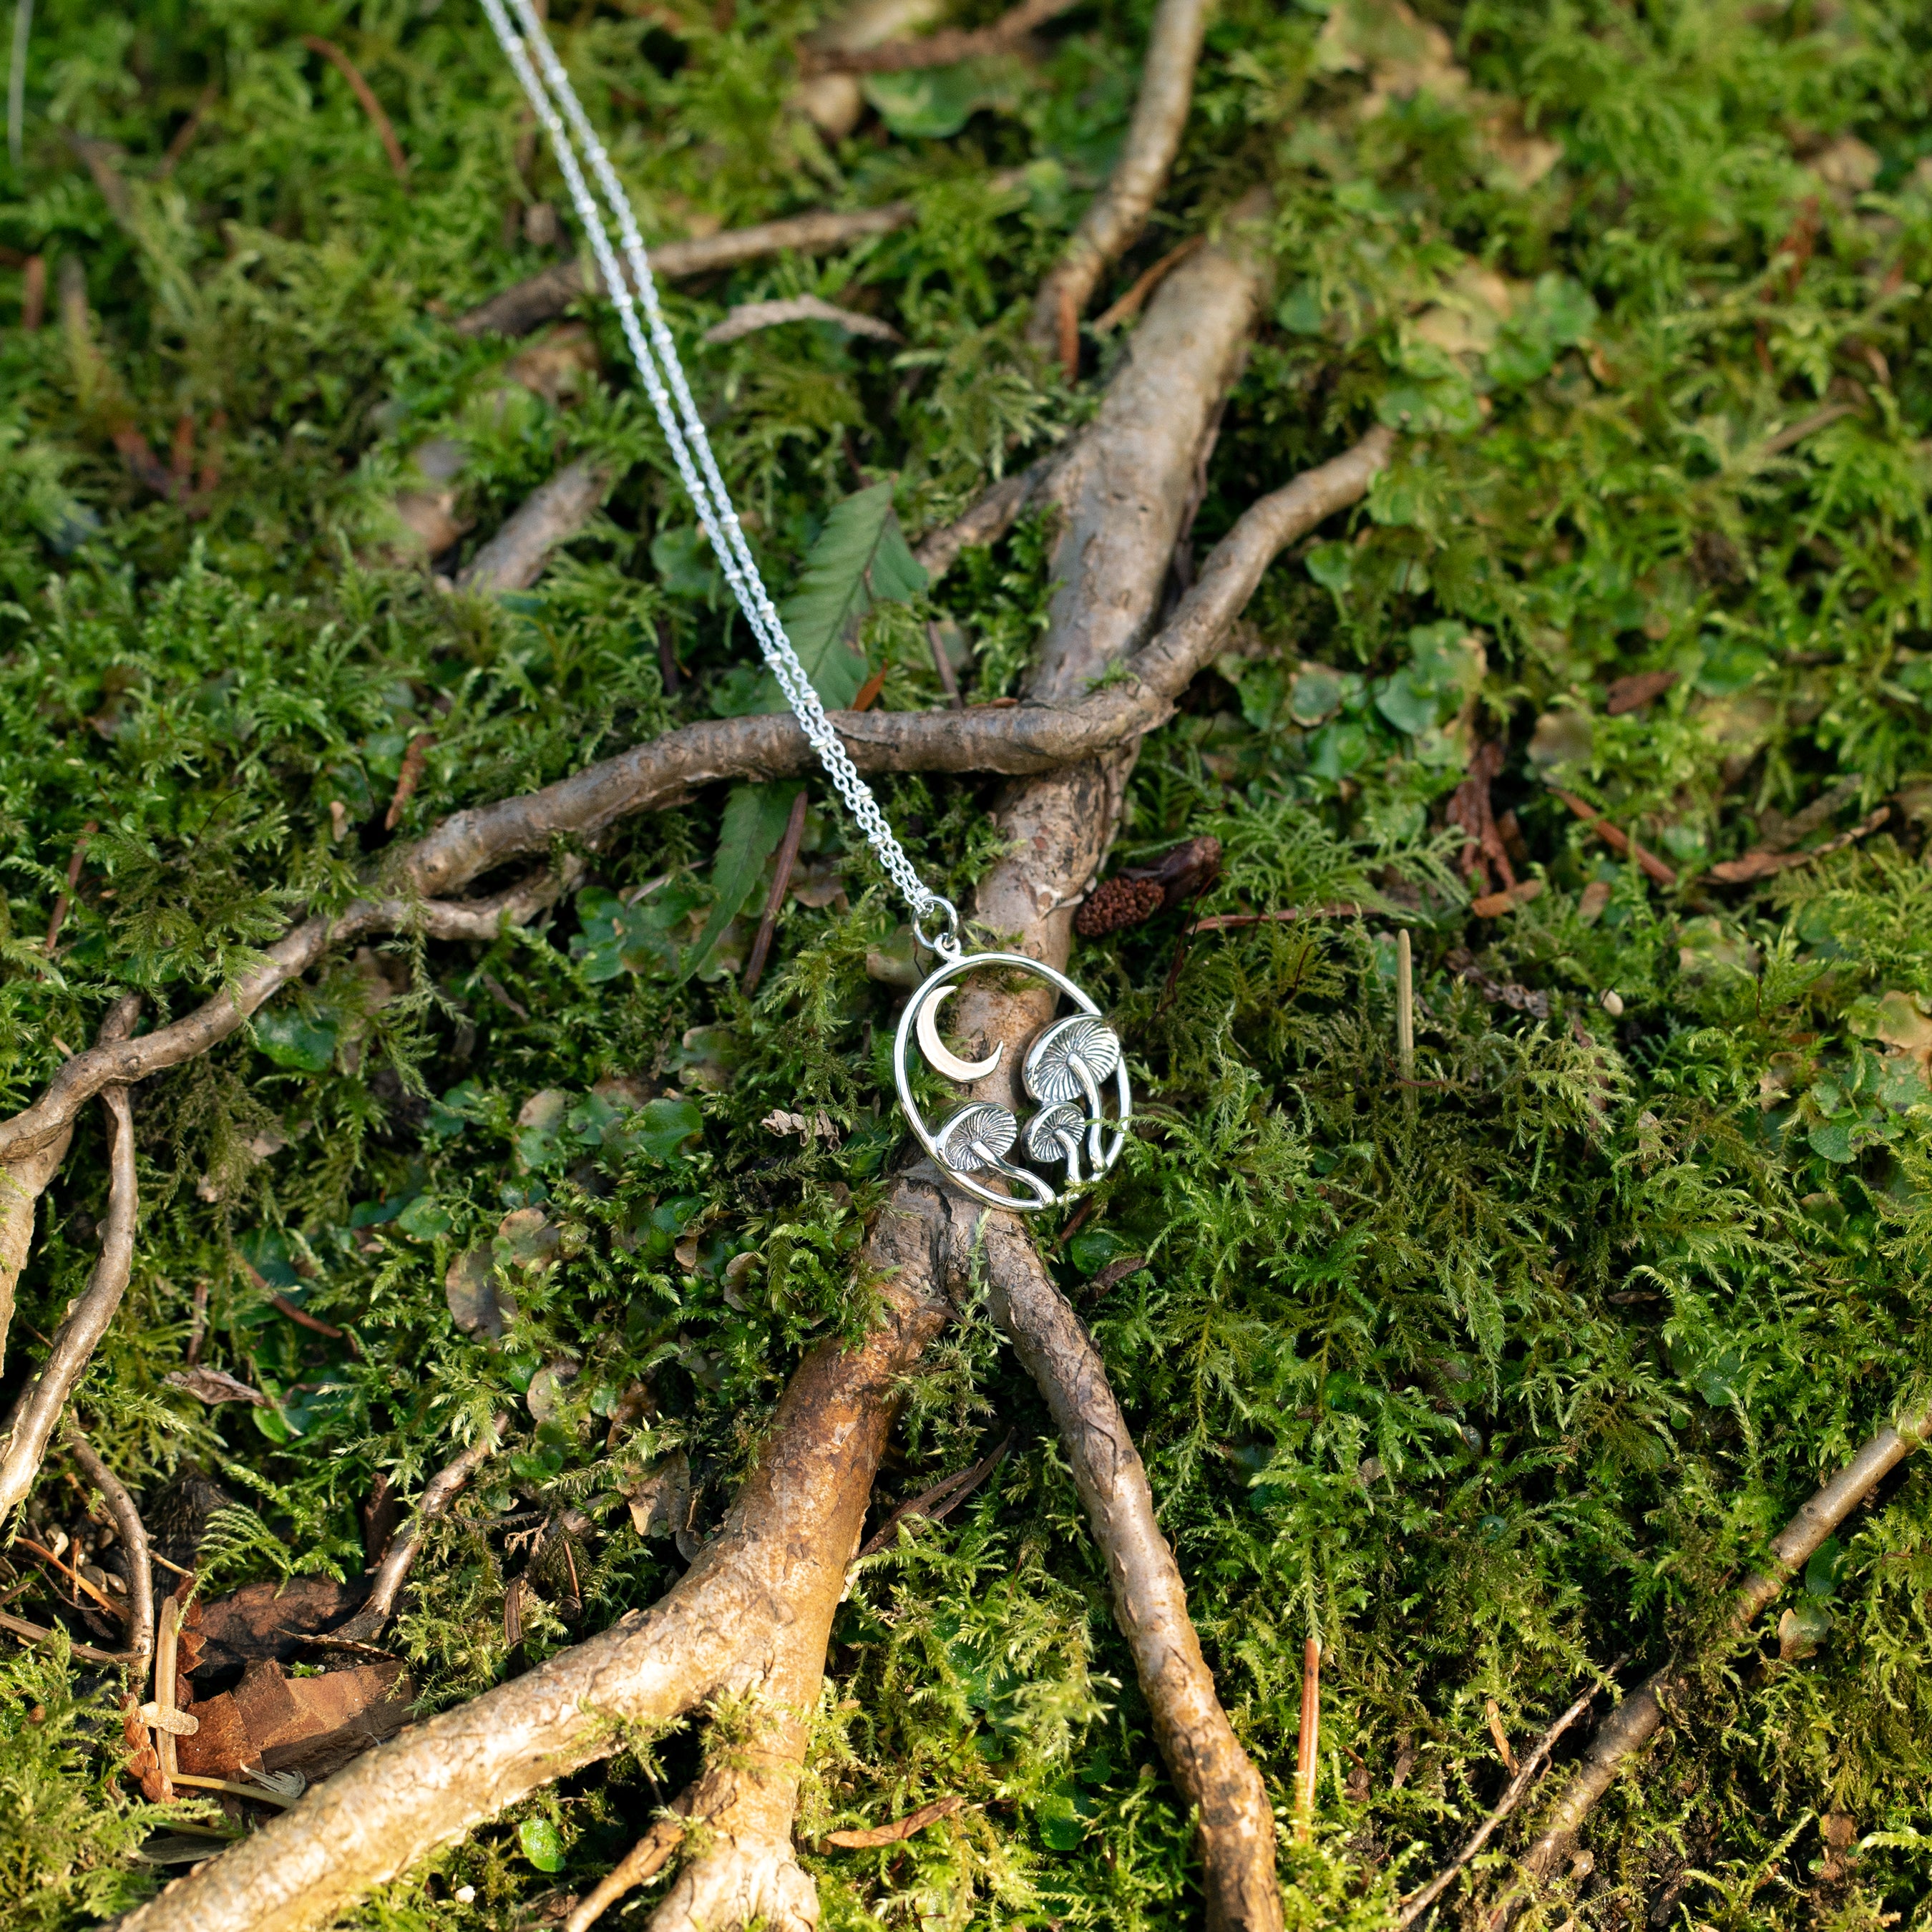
x,y
514,558
22,1184
185,134
787,857
940,49
987,521
1639,1717
1308,1740
900,1829
1210,1769
439,1493
58,917
416,755
942,663
38,1633
1404,1015
31,1424
399,165
1131,304
134,1541
1419,1901
654,1850
749,317
74,1577
935,1504
1118,213
519,309
1619,841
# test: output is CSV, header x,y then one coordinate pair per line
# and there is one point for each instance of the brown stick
x,y
39,1633
1035,737
416,755
654,1850
134,1540
185,134
520,309
986,522
1308,1740
1639,1717
1119,212
935,1504
439,1493
787,857
945,48
514,558
785,1542
399,163
58,917
1419,1901
1619,841
1143,285
33,294
900,1829
30,1425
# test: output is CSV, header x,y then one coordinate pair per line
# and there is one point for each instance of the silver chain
x,y
684,431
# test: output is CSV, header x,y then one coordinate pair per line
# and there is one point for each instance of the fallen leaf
x,y
1901,1024
534,1241
1493,905
477,1300
661,1500
1634,692
272,1722
216,1385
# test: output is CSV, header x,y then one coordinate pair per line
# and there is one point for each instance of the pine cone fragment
x,y
1114,904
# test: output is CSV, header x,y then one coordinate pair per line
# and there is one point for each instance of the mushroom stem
x,y
1071,1148
1089,1086
998,1164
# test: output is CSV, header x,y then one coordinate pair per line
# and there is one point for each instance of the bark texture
x,y
1208,1765
22,1184
1119,212
760,1597
30,1425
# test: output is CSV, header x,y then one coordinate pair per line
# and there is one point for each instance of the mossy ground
x,y
1485,1382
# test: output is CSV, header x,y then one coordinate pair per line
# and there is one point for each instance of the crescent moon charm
x,y
935,1050
1075,1069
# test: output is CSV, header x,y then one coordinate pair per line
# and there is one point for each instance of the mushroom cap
x,y
981,1126
1043,1132
1049,1074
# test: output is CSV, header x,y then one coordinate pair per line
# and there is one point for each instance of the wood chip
x,y
748,317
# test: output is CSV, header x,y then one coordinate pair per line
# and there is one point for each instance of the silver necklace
x,y
1075,1064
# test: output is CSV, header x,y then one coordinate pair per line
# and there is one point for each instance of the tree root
x,y
653,1851
1119,212
739,1625
522,307
1211,1771
1640,1716
31,1425
392,1570
514,558
22,1184
134,1540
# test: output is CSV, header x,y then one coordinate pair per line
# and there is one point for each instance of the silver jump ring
x,y
946,942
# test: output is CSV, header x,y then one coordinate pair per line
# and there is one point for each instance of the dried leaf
x,y
216,1385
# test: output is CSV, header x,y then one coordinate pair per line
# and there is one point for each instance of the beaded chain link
x,y
655,354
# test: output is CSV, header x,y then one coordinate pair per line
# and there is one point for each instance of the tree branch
x,y
22,1184
514,558
1114,219
134,1540
38,1408
1640,1717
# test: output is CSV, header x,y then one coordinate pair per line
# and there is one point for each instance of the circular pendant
x,y
1070,1065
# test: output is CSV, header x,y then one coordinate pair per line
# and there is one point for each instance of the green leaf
x,y
1091,1250
425,1218
1832,1140
664,1128
754,823
1333,566
1821,1573
302,1045
933,104
542,1843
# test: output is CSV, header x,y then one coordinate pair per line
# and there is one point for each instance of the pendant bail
x,y
945,942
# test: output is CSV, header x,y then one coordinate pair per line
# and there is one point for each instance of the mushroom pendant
x,y
1074,1071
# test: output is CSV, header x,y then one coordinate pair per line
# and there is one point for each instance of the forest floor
x,y
1531,1200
